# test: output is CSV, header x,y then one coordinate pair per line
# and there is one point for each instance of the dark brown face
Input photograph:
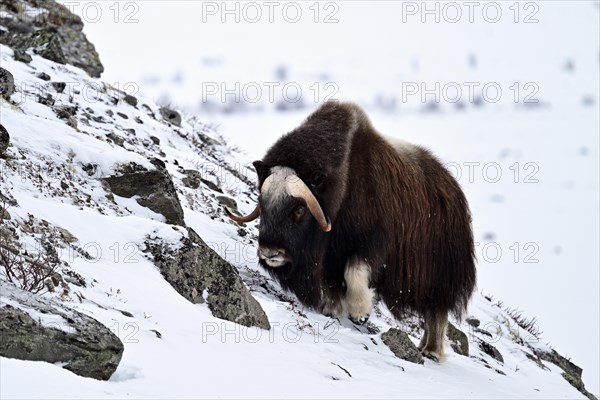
x,y
283,228
289,211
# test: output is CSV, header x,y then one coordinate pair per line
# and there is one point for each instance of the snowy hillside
x,y
67,141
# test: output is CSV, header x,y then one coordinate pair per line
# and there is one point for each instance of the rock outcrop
x,y
35,329
4,139
490,350
7,84
572,373
50,30
400,344
192,179
458,340
196,271
170,115
154,189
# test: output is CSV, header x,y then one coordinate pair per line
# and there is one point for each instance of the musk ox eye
x,y
298,213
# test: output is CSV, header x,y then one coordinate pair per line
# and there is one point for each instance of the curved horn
x,y
241,219
297,188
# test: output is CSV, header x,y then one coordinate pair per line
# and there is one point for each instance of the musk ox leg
x,y
423,341
333,308
359,296
434,339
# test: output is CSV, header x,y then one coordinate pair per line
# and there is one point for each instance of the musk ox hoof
x,y
431,355
438,357
333,309
359,320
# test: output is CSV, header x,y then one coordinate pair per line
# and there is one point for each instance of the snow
x,y
551,209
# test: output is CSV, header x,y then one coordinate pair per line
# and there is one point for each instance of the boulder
x,y
36,329
212,185
4,139
401,345
572,373
490,351
52,32
154,189
59,86
192,179
68,114
171,116
44,76
22,56
197,272
228,202
458,340
7,84
131,100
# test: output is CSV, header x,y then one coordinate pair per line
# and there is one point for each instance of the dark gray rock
x,y
490,351
212,185
4,139
44,76
85,346
4,214
59,86
192,179
126,313
47,101
154,188
474,322
22,56
118,140
209,141
458,340
228,202
157,333
68,114
577,383
65,112
572,373
55,34
171,116
401,345
7,84
196,268
555,358
18,26
131,100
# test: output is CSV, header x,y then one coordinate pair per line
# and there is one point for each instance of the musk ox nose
x,y
274,257
268,252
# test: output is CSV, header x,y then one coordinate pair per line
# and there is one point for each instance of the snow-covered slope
x,y
51,176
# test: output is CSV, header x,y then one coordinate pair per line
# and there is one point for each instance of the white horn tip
x,y
328,227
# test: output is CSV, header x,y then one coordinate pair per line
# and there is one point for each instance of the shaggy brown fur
x,y
397,209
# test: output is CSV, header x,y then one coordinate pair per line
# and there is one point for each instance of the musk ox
x,y
346,214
